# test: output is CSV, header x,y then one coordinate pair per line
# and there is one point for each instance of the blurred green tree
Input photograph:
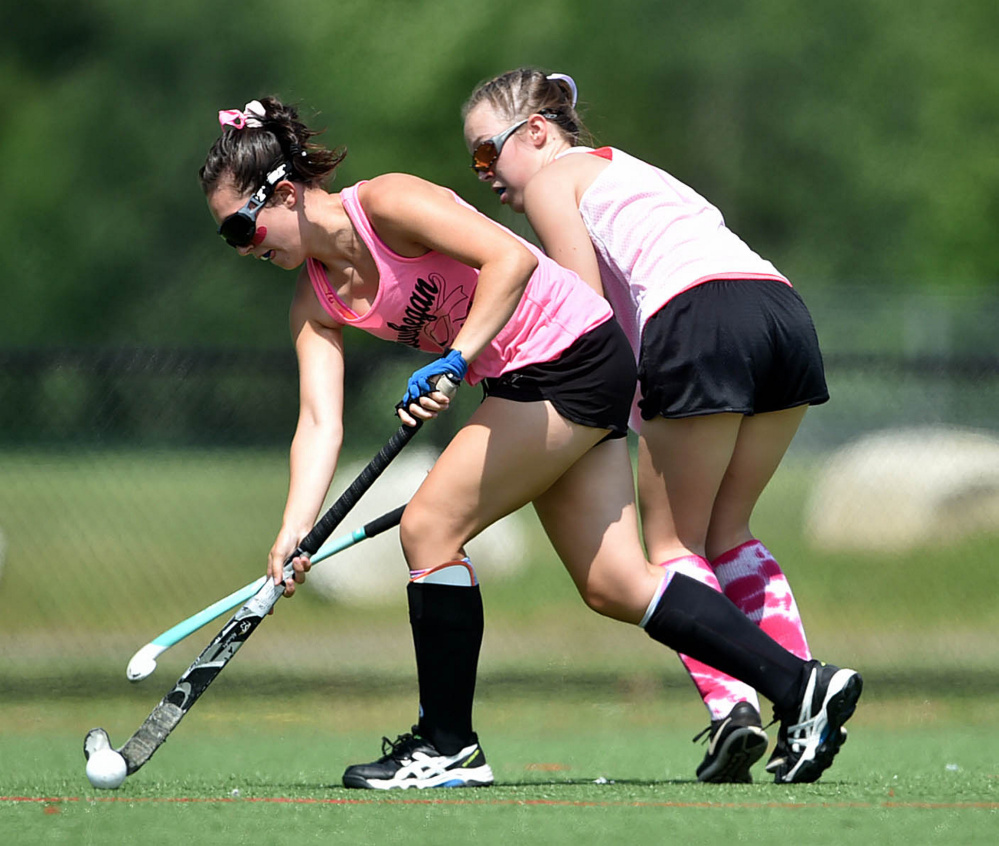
x,y
851,141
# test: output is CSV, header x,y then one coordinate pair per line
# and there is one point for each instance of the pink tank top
x,y
423,302
655,237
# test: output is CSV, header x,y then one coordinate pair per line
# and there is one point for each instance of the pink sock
x,y
719,691
754,581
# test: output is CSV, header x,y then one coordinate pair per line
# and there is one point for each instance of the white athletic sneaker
x,y
411,761
813,736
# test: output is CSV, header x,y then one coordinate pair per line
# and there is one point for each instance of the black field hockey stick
x,y
165,717
143,662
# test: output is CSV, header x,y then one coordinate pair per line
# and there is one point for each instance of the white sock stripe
x,y
667,578
458,573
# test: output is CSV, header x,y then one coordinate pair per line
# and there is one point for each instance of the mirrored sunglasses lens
x,y
484,157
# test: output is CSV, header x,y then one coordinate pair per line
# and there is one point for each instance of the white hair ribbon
x,y
567,79
252,115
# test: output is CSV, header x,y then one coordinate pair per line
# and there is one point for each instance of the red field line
x,y
280,800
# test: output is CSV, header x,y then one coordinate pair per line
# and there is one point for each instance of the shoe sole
x,y
738,752
839,707
478,777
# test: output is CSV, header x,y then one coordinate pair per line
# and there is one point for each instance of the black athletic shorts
x,y
591,383
736,345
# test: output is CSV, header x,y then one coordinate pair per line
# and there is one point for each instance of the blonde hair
x,y
519,93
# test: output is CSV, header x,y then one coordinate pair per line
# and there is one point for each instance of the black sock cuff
x,y
445,605
696,620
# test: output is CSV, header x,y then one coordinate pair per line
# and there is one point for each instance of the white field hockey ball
x,y
106,769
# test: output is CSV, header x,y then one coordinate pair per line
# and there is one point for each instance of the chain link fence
x,y
139,485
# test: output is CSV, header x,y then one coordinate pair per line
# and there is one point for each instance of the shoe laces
x,y
716,725
791,736
402,745
706,733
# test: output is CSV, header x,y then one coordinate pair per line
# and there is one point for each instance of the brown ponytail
x,y
247,154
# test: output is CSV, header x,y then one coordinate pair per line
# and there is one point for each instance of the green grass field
x,y
587,724
570,769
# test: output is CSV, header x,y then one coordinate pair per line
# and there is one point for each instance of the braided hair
x,y
526,91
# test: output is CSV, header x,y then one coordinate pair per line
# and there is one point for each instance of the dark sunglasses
x,y
484,156
239,228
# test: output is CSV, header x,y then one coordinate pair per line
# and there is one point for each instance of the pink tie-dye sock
x,y
753,580
719,691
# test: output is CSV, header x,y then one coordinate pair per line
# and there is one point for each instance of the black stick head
x,y
95,740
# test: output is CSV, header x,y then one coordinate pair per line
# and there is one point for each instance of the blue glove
x,y
419,385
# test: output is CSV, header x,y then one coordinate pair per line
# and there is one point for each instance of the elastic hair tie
x,y
568,79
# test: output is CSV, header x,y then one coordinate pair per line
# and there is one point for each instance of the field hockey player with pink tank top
x,y
727,356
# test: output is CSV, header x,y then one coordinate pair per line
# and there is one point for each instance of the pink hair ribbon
x,y
251,116
232,117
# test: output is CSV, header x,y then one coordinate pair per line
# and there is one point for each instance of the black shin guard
x,y
447,624
700,622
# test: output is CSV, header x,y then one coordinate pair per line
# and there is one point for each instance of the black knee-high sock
x,y
700,622
447,624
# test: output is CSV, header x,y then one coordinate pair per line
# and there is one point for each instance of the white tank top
x,y
655,237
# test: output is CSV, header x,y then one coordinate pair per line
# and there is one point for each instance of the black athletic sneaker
x,y
812,736
411,761
735,743
779,755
